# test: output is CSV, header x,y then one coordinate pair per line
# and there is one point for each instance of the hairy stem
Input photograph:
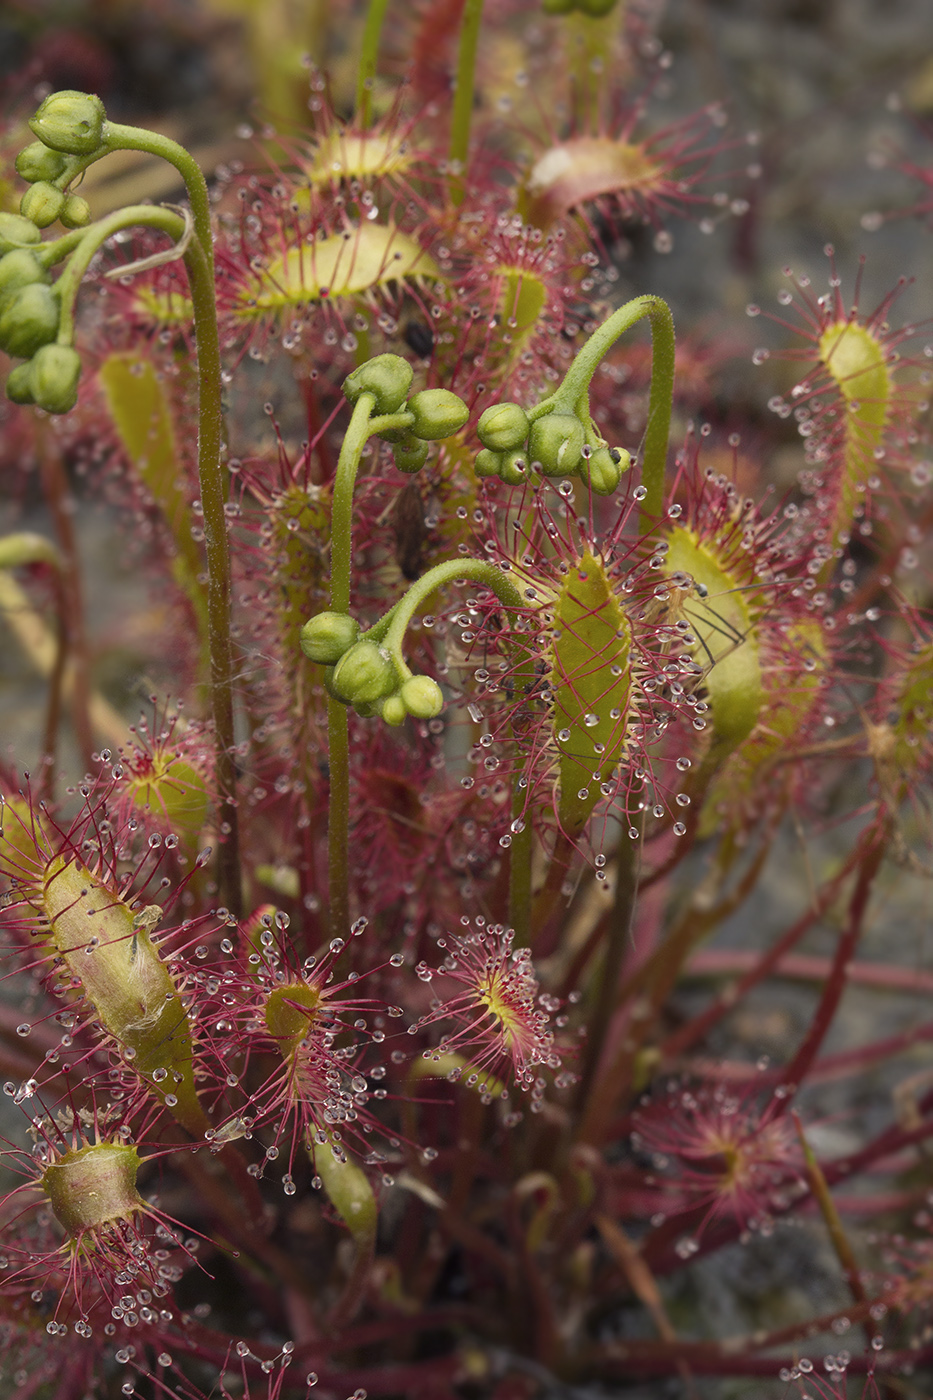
x,y
369,54
338,819
616,943
463,98
577,381
212,479
133,138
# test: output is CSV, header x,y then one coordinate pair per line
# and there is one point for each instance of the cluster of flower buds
x,y
70,128
433,413
30,315
364,674
558,442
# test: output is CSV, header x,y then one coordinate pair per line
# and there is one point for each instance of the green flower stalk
x,y
559,434
73,132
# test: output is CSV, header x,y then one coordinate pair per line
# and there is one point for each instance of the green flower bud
x,y
393,710
76,212
70,121
19,384
20,269
487,463
363,674
367,709
387,377
603,471
438,414
422,697
16,232
410,455
328,636
556,441
595,8
558,7
42,204
37,162
329,685
54,374
513,468
28,320
503,426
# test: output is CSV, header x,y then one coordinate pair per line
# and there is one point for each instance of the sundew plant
x,y
374,1000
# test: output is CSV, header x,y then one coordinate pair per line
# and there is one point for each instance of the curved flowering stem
x,y
389,633
213,486
361,428
442,574
84,243
507,593
572,393
118,137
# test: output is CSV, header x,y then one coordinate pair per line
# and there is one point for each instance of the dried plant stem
x,y
872,853
43,649
696,1029
837,1235
648,987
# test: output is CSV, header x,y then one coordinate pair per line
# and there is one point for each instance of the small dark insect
x,y
410,531
420,338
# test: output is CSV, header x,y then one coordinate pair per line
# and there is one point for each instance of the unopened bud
x,y
17,232
438,414
54,374
487,463
393,710
387,377
410,456
42,203
513,468
20,269
422,697
603,471
363,674
326,637
76,212
556,441
28,320
37,162
19,384
595,8
503,427
70,121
